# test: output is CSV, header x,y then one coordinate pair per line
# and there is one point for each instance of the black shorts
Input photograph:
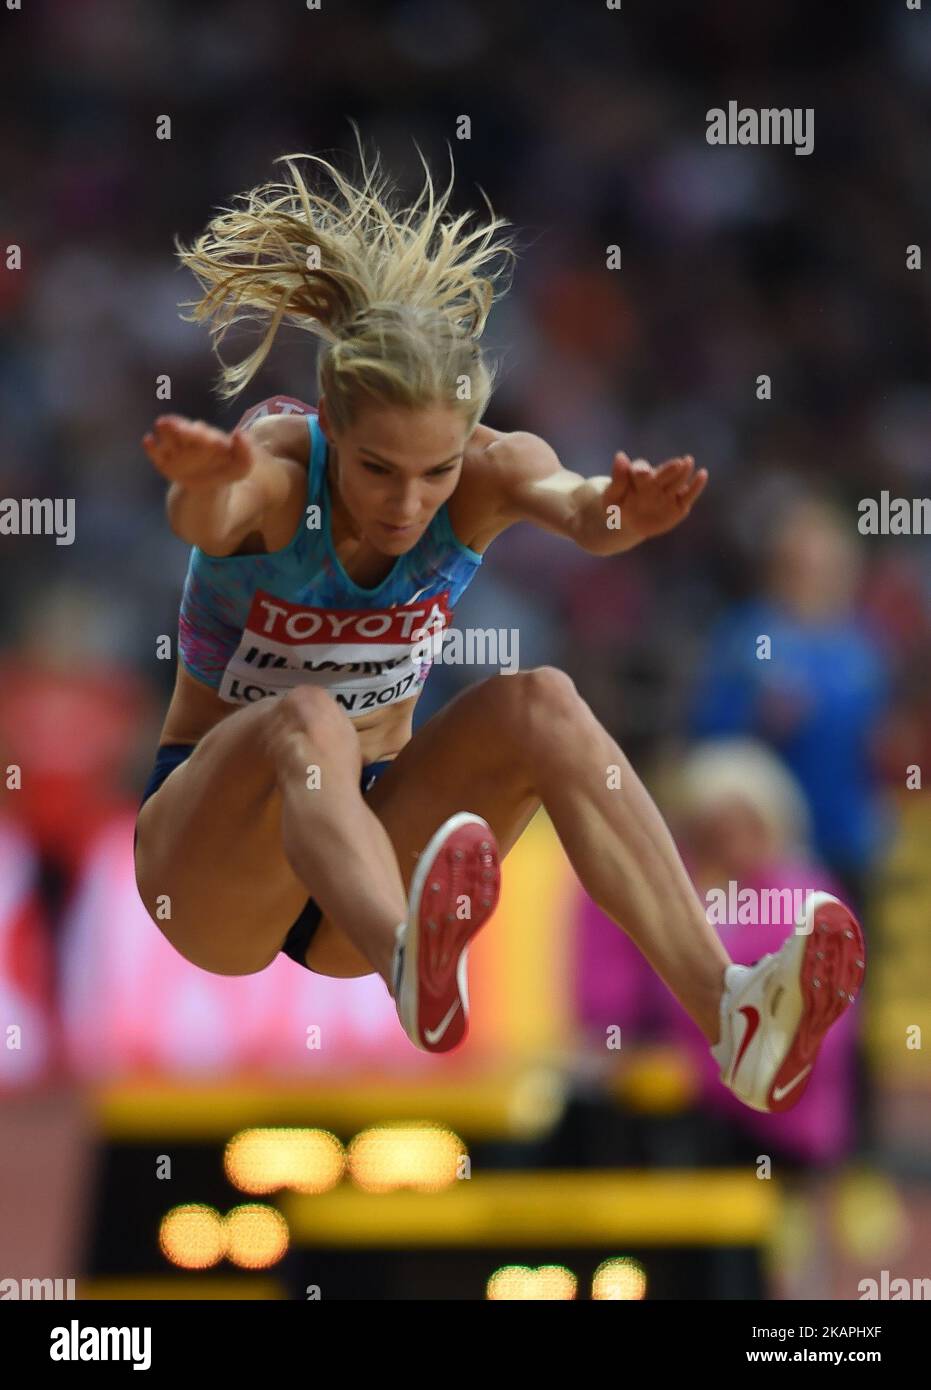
x,y
167,758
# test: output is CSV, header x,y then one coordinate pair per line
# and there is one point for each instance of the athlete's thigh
x,y
462,759
210,865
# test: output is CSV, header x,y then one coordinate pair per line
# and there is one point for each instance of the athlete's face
x,y
395,468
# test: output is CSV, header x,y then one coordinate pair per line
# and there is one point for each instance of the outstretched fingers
x,y
688,495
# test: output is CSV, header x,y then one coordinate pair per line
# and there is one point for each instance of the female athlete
x,y
291,808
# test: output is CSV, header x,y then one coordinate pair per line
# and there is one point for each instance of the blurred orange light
x,y
192,1236
257,1236
425,1157
552,1283
266,1160
621,1279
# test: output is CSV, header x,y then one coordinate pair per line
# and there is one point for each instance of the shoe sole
x,y
832,961
460,860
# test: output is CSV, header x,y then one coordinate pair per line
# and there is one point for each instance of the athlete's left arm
x,y
603,515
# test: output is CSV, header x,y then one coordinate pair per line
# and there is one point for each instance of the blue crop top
x,y
257,625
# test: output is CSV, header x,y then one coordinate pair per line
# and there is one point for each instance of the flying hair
x,y
398,295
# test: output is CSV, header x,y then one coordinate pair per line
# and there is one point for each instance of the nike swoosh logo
x,y
780,1091
752,1017
433,1035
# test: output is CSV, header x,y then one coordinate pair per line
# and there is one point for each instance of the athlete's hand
x,y
653,500
194,454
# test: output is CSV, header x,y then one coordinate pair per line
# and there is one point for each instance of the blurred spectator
x,y
798,668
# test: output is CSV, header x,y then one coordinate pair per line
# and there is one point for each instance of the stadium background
x,y
624,1173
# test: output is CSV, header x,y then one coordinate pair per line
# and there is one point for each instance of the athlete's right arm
x,y
223,485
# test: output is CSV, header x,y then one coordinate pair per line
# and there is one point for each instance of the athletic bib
x,y
366,658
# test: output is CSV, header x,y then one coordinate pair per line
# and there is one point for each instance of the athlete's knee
x,y
310,713
553,688
541,695
536,709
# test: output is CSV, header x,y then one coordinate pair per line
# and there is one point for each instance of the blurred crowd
x,y
587,130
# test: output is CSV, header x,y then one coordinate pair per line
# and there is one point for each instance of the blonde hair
x,y
744,770
395,294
